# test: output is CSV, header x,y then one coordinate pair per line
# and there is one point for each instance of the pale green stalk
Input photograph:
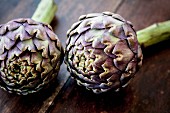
x,y
45,11
154,34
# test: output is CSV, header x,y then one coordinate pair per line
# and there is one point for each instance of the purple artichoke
x,y
30,56
102,51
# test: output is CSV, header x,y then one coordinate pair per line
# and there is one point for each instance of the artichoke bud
x,y
102,51
30,56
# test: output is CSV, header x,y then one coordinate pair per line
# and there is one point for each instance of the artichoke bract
x,y
102,52
30,56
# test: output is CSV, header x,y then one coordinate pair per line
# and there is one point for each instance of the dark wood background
x,y
149,92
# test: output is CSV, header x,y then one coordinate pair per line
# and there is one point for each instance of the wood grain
x,y
143,13
16,9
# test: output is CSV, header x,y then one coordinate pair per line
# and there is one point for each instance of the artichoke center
x,y
19,71
21,67
15,68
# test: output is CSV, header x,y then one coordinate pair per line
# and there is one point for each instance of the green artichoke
x,y
30,56
102,52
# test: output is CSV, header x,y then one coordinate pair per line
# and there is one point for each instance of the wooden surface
x,y
149,92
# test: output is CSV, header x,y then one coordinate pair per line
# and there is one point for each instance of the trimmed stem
x,y
154,34
45,11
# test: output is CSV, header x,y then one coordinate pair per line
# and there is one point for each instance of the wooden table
x,y
149,92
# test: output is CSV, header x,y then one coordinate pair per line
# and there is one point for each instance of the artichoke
x,y
102,52
30,56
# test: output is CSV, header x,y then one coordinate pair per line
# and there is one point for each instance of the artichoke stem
x,y
45,11
154,34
